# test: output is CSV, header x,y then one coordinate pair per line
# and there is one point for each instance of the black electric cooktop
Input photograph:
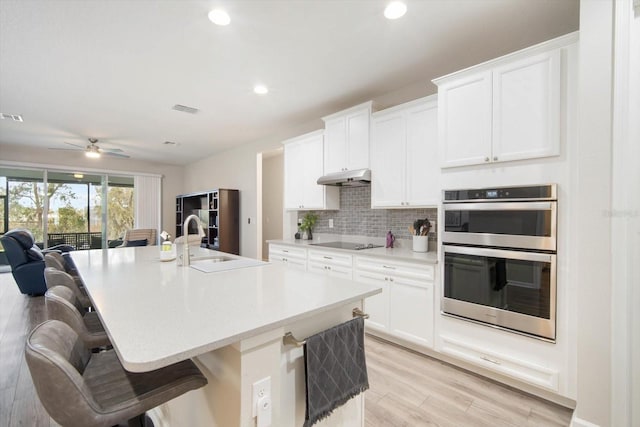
x,y
347,245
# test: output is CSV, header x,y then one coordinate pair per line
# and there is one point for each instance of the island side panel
x,y
232,370
292,375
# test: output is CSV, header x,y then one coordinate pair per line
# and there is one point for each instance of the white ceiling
x,y
114,69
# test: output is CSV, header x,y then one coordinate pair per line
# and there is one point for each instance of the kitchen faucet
x,y
185,249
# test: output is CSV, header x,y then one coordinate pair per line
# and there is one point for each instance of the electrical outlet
x,y
331,223
261,389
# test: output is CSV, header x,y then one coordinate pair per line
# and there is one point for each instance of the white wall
x,y
593,225
171,181
625,219
272,199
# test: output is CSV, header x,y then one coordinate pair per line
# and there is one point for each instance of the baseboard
x,y
578,422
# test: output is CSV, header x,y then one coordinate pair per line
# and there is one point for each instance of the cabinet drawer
x,y
397,268
505,364
287,251
331,258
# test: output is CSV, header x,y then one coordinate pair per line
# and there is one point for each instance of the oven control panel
x,y
537,192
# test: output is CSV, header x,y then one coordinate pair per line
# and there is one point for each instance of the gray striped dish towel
x,y
335,369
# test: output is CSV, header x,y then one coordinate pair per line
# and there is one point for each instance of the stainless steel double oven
x,y
499,248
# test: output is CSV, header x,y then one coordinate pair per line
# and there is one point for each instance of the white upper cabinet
x,y
347,139
302,168
505,109
526,108
465,120
404,161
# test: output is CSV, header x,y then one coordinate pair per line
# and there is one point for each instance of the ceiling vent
x,y
185,109
14,117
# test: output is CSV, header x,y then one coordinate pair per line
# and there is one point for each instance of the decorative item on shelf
x,y
390,239
420,230
297,235
308,222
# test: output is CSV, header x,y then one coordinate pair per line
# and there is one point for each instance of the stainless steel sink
x,y
222,263
212,258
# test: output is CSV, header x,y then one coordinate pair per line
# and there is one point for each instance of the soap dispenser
x,y
390,239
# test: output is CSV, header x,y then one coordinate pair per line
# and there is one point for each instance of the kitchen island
x,y
230,322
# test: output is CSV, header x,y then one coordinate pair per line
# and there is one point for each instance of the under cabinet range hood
x,y
353,178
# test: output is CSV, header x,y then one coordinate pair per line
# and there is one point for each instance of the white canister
x,y
420,243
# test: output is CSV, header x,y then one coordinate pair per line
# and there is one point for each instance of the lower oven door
x,y
510,289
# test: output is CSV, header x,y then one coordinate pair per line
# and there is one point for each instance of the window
x,y
76,213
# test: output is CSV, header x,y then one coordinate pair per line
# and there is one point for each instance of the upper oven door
x,y
526,225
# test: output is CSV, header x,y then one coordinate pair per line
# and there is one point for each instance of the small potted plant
x,y
308,222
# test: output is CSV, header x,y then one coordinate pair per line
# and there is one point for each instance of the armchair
x,y
27,260
138,234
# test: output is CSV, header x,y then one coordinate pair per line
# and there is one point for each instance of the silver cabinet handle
x,y
495,158
389,267
327,257
486,159
284,250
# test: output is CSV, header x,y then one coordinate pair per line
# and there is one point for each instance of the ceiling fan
x,y
93,150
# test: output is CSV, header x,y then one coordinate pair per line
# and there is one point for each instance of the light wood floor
x,y
406,388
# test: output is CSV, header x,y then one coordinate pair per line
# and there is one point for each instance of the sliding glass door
x,y
87,211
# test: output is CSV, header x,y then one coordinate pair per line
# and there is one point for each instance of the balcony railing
x,y
81,241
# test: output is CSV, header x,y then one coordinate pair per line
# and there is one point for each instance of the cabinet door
x,y
331,270
312,193
293,175
388,160
357,156
422,171
377,306
526,108
411,310
335,150
464,120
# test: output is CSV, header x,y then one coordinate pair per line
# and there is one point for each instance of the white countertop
x,y
398,253
158,313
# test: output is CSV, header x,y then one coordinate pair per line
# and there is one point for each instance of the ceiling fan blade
x,y
109,153
66,149
75,145
110,150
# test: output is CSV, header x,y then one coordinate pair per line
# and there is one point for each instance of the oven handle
x,y
515,206
500,253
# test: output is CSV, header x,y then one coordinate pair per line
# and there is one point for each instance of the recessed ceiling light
x,y
261,89
395,10
219,17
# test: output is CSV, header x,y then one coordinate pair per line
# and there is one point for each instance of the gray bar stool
x,y
61,262
80,388
63,305
54,277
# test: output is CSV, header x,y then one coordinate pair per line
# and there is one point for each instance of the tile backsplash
x,y
356,217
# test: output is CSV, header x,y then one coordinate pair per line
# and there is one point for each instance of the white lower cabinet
x,y
291,256
331,263
377,306
404,309
411,307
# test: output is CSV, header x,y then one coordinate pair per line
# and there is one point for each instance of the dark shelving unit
x,y
219,212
